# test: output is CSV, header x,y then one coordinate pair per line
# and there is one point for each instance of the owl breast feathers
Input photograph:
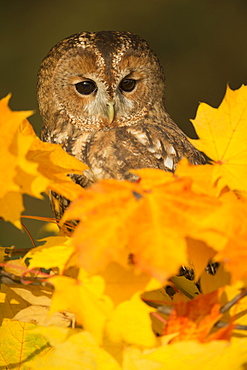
x,y
101,96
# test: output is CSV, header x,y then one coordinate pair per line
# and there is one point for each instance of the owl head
x,y
100,80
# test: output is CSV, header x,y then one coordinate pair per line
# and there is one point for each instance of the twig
x,y
222,324
233,301
9,278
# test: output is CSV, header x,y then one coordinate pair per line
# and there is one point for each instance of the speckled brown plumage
x,y
122,123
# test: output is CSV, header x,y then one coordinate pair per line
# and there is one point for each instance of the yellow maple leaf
x,y
10,198
54,253
84,297
30,166
18,344
188,355
54,164
9,124
130,323
222,136
17,341
121,283
75,350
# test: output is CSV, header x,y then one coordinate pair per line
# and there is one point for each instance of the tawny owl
x,y
101,96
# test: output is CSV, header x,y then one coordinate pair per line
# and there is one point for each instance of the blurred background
x,y
201,44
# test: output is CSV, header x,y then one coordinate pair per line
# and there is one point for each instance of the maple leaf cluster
x,y
109,295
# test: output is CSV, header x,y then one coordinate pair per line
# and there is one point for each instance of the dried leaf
x,y
34,295
40,315
210,283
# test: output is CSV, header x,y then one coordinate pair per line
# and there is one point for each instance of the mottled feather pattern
x,y
101,96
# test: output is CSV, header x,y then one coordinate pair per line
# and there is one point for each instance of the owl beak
x,y
110,111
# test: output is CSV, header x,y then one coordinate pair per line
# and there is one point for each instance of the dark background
x,y
201,44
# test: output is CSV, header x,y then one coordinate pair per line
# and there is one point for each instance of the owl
x,y
101,97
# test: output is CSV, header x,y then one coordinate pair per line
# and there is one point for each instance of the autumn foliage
x,y
108,295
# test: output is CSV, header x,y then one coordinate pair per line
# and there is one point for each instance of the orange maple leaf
x,y
229,243
194,319
234,257
148,221
201,176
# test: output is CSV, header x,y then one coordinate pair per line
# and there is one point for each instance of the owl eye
x,y
127,84
85,87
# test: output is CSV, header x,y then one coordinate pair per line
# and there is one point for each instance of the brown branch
x,y
10,279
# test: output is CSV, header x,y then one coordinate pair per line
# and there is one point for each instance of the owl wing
x,y
112,153
59,203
